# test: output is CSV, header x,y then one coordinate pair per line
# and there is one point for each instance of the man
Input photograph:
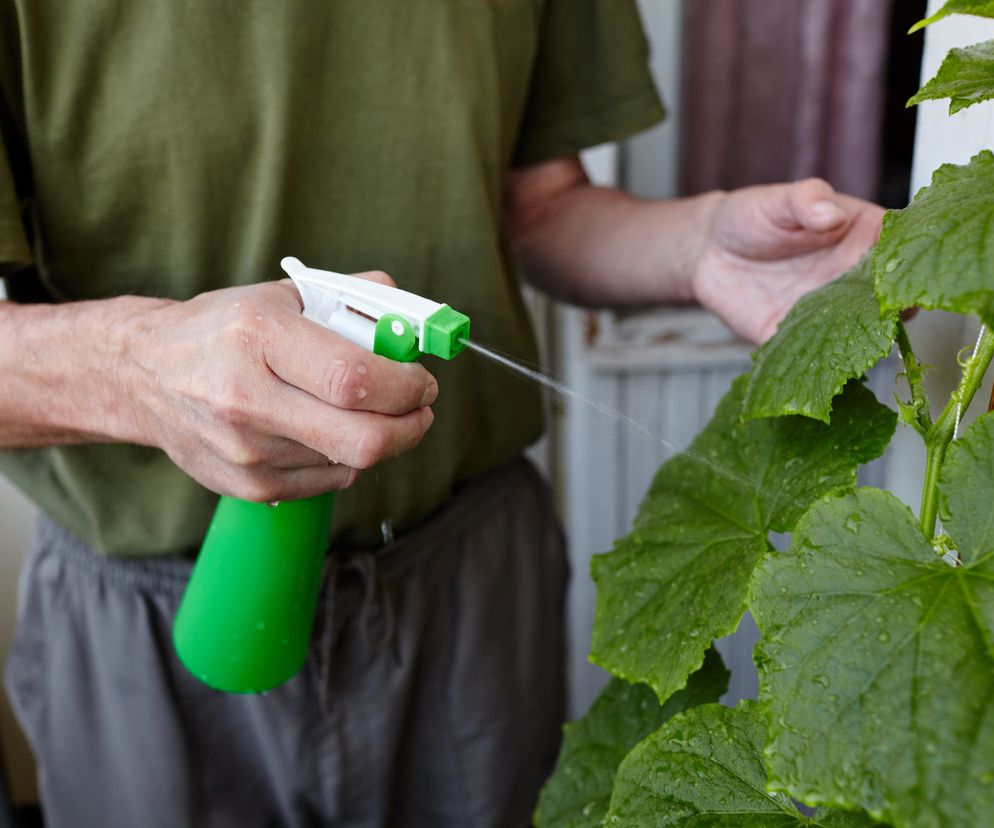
x,y
159,159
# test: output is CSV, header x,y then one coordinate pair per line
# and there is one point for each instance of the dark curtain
x,y
777,90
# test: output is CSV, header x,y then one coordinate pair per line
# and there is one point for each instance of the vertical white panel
x,y
601,164
642,448
595,461
17,516
588,481
939,139
651,158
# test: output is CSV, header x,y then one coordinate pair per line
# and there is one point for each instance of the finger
x,y
309,357
282,453
816,206
360,439
370,275
377,276
275,485
254,450
301,483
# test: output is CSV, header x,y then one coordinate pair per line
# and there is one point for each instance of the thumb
x,y
814,205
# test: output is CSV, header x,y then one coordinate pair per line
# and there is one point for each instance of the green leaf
x,y
579,791
828,818
830,337
966,497
966,77
877,659
681,577
705,768
980,8
939,251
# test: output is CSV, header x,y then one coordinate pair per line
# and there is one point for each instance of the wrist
x,y
118,367
65,376
706,208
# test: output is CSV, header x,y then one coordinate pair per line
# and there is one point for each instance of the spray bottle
x,y
244,624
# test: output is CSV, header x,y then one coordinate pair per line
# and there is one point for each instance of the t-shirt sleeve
x,y
591,82
14,251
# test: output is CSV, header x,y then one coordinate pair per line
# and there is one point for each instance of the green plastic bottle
x,y
245,620
244,623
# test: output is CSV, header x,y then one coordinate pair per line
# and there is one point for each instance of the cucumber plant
x,y
876,662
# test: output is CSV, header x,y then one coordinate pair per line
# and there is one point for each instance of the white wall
x,y
936,337
17,516
598,489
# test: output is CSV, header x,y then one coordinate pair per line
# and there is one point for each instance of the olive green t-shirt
x,y
169,147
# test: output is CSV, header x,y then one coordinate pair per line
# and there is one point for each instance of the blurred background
x,y
758,91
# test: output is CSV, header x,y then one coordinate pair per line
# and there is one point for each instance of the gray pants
x,y
433,695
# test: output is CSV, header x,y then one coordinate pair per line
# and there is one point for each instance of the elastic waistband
x,y
467,506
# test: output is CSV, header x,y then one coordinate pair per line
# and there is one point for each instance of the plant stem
x,y
930,492
922,417
941,433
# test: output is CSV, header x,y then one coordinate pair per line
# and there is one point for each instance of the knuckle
x,y
231,407
421,426
817,185
246,322
343,384
429,419
430,392
244,453
350,478
258,489
371,447
239,321
380,276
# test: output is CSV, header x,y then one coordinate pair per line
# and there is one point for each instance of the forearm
x,y
602,247
63,372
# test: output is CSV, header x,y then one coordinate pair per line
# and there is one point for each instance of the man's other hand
x,y
770,245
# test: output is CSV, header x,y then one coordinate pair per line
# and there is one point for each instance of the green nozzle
x,y
244,623
394,339
444,332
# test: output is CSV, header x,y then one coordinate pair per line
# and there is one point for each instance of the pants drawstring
x,y
365,566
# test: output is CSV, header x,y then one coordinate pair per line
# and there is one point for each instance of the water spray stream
x,y
564,391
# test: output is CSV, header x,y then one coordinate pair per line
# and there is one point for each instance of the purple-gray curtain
x,y
776,90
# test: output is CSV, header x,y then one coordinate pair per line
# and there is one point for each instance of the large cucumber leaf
x,y
980,8
966,77
939,251
705,768
578,793
966,494
681,577
877,660
828,338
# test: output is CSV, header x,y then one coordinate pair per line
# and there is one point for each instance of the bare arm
x,y
747,255
240,390
600,246
60,366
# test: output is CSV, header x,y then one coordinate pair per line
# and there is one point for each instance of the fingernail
x,y
429,395
827,210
